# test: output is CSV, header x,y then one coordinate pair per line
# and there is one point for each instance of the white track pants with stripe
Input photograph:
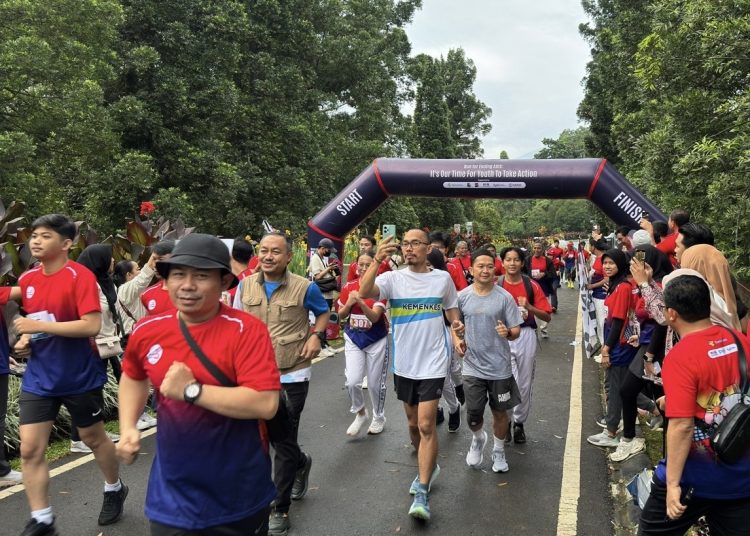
x,y
523,362
373,361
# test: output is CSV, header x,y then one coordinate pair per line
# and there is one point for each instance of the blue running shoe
x,y
420,508
415,483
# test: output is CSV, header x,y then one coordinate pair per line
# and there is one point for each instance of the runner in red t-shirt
x,y
523,349
366,343
155,298
243,261
61,300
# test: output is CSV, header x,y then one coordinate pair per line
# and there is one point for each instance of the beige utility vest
x,y
285,316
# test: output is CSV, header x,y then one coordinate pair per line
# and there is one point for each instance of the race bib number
x,y
359,322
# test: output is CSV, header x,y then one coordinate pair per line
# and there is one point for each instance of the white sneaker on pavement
x,y
603,439
355,428
474,457
499,464
326,352
11,479
145,421
627,449
376,426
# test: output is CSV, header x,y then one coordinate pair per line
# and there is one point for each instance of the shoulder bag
x,y
731,441
280,426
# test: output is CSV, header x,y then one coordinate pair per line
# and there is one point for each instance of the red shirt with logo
x,y
518,290
156,299
359,328
233,453
701,382
61,366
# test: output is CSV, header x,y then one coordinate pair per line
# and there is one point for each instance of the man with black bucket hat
x,y
215,373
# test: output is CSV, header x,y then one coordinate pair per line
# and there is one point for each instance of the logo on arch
x,y
154,354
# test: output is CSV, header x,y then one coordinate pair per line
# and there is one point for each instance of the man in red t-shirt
x,y
211,406
667,244
155,299
61,300
702,385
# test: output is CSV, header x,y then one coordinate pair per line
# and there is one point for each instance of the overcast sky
x,y
530,62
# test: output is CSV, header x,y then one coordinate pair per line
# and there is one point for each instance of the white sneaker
x,y
474,457
326,352
12,478
499,465
145,421
545,335
356,426
364,383
627,449
79,447
376,426
603,439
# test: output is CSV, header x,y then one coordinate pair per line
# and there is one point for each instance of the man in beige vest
x,y
283,301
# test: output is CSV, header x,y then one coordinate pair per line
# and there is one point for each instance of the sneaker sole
x,y
500,470
419,513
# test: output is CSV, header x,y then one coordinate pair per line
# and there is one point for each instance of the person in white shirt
x,y
421,346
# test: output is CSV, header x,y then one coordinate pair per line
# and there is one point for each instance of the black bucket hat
x,y
198,250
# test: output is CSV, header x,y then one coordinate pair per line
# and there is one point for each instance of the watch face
x,y
192,390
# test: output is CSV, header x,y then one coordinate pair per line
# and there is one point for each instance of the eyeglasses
x,y
413,244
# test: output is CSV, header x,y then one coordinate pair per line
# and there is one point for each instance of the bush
x,y
61,428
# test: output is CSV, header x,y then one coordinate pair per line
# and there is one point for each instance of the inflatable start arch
x,y
589,178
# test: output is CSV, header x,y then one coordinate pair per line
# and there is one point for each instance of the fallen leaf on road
x,y
398,529
501,484
314,487
64,492
557,436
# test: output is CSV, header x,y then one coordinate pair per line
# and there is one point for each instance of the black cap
x,y
327,243
198,250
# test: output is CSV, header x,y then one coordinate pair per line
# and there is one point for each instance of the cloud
x,y
530,62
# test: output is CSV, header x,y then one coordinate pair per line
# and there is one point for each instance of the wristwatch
x,y
643,285
192,391
322,336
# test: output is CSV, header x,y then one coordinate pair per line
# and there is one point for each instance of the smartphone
x,y
646,216
388,230
640,256
596,228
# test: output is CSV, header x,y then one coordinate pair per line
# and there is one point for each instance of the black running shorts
x,y
413,392
85,409
503,395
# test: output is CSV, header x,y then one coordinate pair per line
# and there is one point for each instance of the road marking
x,y
570,490
64,468
4,494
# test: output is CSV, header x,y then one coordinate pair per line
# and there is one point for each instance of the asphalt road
x,y
360,487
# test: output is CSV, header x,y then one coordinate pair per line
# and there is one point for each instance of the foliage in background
x,y
667,99
221,113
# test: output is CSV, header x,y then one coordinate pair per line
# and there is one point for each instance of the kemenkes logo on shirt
x,y
406,310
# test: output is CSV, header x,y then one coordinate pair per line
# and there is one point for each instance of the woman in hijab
x,y
98,259
713,266
616,352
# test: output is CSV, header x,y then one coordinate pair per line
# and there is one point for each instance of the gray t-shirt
x,y
487,353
